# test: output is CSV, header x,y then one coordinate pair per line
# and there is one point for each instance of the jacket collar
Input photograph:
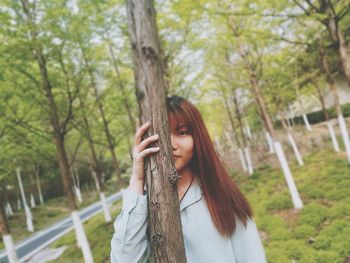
x,y
193,195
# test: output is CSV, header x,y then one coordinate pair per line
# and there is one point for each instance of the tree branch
x,y
307,12
64,123
317,10
343,12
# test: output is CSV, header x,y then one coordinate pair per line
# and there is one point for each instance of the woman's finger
x,y
140,132
147,141
149,151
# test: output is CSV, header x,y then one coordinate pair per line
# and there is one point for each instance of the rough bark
x,y
161,177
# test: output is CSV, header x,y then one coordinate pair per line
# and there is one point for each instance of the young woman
x,y
216,219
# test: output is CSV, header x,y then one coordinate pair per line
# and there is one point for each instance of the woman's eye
x,y
183,132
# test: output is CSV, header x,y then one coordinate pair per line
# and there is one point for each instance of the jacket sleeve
x,y
247,245
129,243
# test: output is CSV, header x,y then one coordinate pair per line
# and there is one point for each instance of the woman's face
x,y
182,146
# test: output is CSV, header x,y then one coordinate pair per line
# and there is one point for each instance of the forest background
x,y
68,110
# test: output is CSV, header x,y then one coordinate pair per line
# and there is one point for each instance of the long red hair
x,y
224,200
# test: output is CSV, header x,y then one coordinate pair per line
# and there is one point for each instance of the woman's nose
x,y
173,144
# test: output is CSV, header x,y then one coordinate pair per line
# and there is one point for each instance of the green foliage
x,y
280,200
313,214
317,233
340,209
335,237
304,231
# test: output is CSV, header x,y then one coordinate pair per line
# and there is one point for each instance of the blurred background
x,y
271,79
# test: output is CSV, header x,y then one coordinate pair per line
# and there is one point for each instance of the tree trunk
x,y
110,142
38,185
244,139
291,115
269,142
305,119
4,226
28,213
6,203
161,176
298,204
288,129
342,124
104,205
6,236
344,52
9,209
247,129
94,161
326,116
322,101
337,36
75,187
18,204
240,154
32,191
291,139
58,132
235,134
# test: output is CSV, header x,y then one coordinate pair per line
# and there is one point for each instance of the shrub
x,y
335,237
336,194
328,256
313,191
313,215
303,231
340,210
269,223
280,201
280,233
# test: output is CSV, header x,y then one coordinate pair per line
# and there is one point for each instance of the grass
x,y
320,232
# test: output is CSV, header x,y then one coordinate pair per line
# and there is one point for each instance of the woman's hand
x,y
140,151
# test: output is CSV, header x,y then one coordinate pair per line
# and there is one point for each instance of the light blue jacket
x,y
203,242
